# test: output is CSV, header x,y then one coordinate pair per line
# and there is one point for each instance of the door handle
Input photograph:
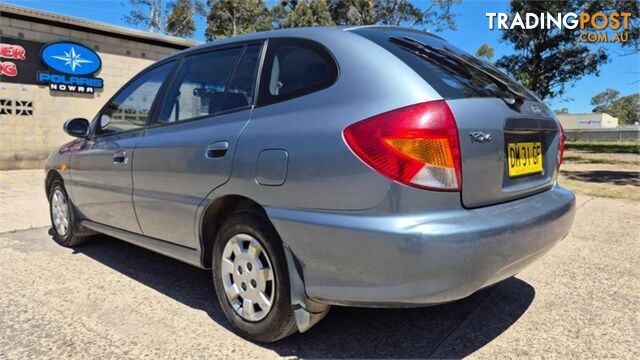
x,y
217,149
120,157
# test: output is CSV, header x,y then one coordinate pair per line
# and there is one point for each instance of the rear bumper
x,y
420,259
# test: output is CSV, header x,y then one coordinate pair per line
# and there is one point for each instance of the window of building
x,y
16,107
24,107
6,107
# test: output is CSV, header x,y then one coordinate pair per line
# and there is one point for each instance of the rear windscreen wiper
x,y
443,63
434,52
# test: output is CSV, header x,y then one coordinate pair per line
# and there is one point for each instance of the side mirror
x,y
77,127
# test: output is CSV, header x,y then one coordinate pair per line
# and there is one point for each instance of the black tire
x,y
69,238
280,320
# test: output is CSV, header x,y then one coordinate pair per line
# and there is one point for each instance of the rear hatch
x,y
508,139
506,166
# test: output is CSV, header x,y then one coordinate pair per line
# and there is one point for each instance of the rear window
x,y
453,73
295,67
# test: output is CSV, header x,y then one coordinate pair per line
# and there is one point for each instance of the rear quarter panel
x,y
322,173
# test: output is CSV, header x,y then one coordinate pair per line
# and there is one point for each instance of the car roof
x,y
303,32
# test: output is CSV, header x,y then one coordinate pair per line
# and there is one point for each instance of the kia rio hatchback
x,y
364,166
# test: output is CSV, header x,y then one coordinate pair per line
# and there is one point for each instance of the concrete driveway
x,y
109,299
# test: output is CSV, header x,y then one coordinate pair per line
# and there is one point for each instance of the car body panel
x,y
420,258
102,188
58,163
172,174
484,174
309,128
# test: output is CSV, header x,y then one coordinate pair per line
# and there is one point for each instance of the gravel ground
x,y
109,299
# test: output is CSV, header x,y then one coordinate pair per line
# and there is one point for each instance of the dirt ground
x,y
109,299
612,172
572,156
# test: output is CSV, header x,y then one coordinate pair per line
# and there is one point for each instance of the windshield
x,y
453,73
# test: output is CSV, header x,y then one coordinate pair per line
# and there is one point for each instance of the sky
x,y
621,73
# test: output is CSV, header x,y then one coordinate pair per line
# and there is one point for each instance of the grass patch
x,y
601,190
621,147
577,159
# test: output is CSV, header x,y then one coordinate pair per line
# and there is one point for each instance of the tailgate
x,y
485,169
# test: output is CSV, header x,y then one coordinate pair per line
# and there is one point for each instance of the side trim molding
x,y
181,253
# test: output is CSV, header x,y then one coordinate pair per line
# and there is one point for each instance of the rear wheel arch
x,y
307,312
214,216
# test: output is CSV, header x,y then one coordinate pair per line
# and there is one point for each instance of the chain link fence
x,y
622,133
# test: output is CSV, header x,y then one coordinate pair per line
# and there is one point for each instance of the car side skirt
x,y
181,253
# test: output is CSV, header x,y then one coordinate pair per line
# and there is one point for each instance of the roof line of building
x,y
73,23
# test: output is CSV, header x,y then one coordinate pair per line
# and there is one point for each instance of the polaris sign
x,y
73,66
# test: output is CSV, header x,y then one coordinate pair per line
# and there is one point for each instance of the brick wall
x,y
26,141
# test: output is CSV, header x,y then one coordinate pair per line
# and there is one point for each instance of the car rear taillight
x,y
415,145
563,139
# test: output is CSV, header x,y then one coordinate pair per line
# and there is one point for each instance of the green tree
x,y
147,13
548,60
605,98
625,108
485,51
234,17
397,12
433,15
180,19
321,14
353,12
280,12
302,13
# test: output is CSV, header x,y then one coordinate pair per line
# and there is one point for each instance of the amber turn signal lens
x,y
434,152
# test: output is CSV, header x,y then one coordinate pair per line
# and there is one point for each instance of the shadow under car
x,y
451,330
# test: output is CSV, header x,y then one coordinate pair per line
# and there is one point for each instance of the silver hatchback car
x,y
363,166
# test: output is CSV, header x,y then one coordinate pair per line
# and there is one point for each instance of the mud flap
x,y
306,311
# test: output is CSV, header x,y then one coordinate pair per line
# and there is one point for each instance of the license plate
x,y
524,158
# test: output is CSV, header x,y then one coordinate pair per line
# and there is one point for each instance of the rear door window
x,y
453,73
202,85
241,86
295,67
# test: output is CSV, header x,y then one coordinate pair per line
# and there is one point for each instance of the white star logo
x,y
72,59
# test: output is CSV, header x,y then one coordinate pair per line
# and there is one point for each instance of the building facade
x,y
55,67
588,121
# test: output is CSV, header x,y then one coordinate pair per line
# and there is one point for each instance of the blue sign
x,y
70,58
73,65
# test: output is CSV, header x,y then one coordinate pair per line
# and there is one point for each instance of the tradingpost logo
x,y
592,27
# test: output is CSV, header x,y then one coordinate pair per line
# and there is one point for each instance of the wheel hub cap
x,y
247,276
60,212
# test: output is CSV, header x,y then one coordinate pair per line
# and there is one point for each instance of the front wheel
x,y
251,279
63,217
